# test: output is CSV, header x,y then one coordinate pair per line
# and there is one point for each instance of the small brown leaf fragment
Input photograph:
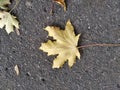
x,y
16,70
62,3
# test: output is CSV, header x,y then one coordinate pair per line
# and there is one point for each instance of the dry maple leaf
x,y
9,21
65,45
62,3
3,3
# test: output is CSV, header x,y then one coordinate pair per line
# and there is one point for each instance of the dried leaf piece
x,y
17,31
9,21
62,3
16,69
3,3
65,45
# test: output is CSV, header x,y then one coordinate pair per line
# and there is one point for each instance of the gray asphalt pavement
x,y
99,67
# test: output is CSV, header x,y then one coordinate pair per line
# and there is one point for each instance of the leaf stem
x,y
17,2
94,45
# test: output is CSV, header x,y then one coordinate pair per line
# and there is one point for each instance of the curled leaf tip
x,y
62,3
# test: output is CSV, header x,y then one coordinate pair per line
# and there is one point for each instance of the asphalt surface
x,y
99,67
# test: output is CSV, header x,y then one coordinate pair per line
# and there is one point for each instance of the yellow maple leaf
x,y
9,21
3,3
62,3
65,45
